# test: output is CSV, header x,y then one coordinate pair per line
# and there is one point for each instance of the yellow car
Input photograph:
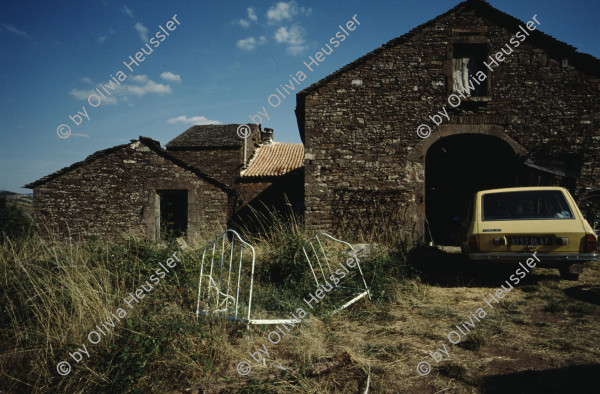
x,y
508,225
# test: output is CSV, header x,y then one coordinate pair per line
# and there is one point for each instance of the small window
x,y
466,63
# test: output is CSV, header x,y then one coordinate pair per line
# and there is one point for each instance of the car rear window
x,y
526,205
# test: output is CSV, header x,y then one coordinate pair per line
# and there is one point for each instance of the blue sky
x,y
219,64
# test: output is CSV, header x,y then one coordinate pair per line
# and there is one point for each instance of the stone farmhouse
x,y
200,181
503,103
531,118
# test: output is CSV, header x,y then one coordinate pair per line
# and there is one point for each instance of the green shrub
x,y
13,223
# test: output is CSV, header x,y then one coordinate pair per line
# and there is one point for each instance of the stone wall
x,y
223,164
365,164
114,195
263,197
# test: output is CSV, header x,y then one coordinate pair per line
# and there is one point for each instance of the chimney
x,y
266,136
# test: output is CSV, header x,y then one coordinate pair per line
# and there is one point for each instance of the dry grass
x,y
544,332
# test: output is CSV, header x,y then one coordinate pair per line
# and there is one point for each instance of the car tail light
x,y
474,243
589,243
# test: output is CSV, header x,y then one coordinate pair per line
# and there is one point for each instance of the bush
x,y
13,223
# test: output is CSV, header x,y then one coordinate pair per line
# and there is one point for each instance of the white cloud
x,y
140,86
296,50
194,120
285,11
252,14
103,38
84,94
140,78
147,87
293,37
169,76
247,44
16,31
250,43
280,11
80,94
142,30
127,11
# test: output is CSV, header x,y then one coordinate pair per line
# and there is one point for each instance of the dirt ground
x,y
541,337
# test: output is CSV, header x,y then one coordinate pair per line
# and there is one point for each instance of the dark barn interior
x,y
456,168
173,212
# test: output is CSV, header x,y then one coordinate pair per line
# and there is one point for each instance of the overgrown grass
x,y
54,294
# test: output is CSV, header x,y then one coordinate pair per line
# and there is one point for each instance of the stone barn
x,y
505,104
204,179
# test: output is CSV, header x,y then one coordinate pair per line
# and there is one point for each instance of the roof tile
x,y
275,160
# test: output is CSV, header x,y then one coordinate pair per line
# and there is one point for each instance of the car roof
x,y
520,189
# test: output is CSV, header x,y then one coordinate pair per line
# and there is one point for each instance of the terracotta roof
x,y
209,136
275,160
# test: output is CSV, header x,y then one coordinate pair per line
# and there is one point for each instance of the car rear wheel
x,y
570,271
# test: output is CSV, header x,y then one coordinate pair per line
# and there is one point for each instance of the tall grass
x,y
54,293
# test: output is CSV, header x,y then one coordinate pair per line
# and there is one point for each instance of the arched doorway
x,y
456,167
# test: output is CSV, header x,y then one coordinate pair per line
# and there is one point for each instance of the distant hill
x,y
6,193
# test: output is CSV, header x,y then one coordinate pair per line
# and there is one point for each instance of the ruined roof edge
x,y
89,159
150,143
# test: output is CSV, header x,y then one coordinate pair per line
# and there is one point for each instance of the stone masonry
x,y
365,164
113,193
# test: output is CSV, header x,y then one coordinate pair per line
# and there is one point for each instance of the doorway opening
x,y
171,214
455,168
